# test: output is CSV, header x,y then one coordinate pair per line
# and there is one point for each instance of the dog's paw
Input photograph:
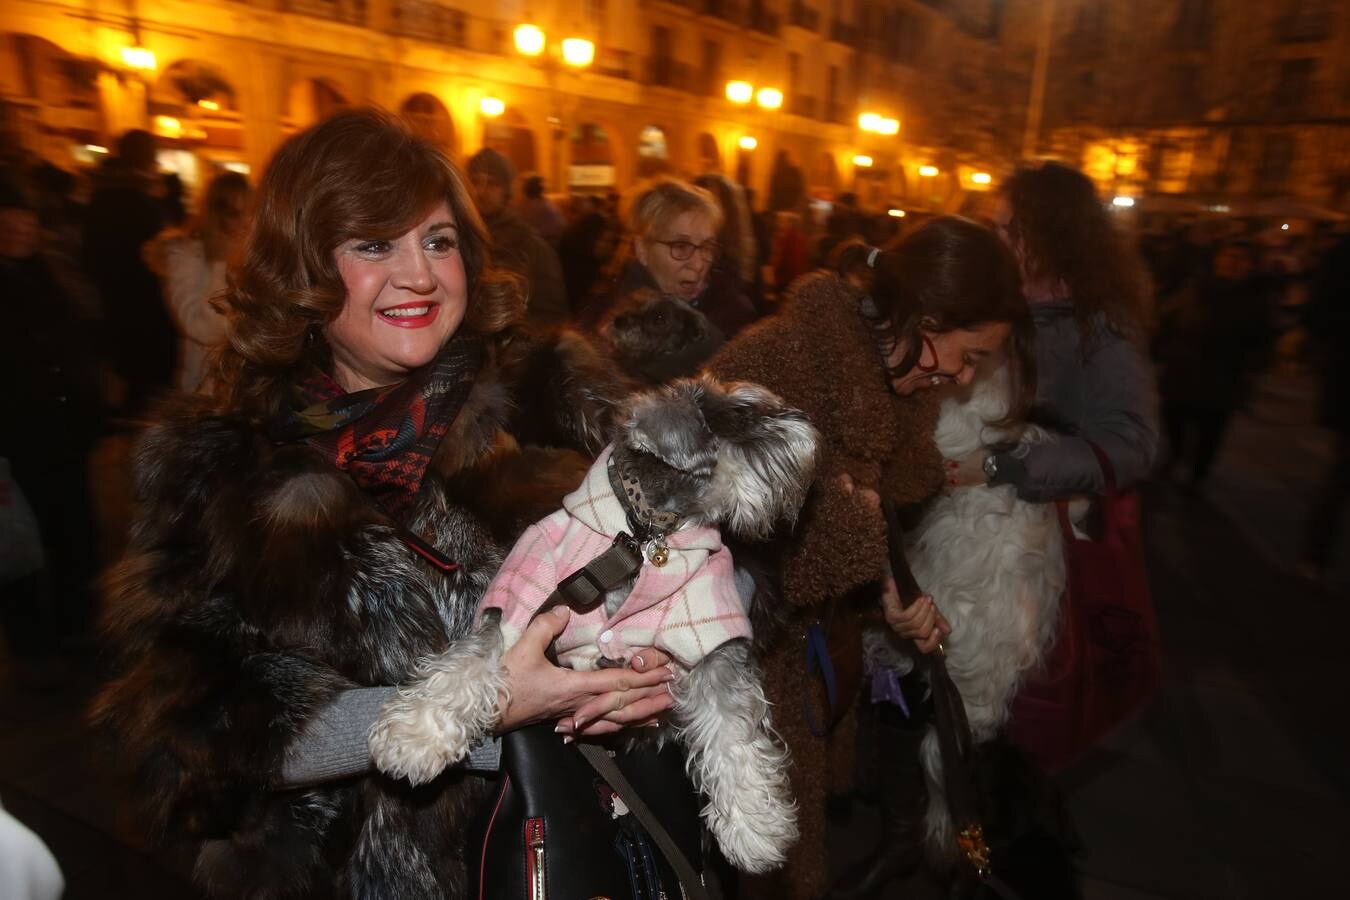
x,y
756,835
432,723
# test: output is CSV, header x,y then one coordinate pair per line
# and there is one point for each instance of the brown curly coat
x,y
819,355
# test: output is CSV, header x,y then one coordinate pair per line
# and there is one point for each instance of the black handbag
x,y
557,830
612,819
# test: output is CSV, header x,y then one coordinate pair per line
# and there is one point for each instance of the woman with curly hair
x,y
1087,291
323,526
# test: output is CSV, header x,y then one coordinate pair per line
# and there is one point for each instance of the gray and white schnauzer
x,y
686,460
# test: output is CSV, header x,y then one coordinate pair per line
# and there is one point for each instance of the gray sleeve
x,y
334,744
1120,415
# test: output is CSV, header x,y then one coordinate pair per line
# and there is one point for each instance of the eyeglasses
x,y
682,250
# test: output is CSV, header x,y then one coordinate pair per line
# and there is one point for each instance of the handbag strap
x,y
609,770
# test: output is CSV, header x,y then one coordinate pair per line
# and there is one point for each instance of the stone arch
x,y
429,119
823,179
312,100
510,135
53,97
190,86
594,161
653,151
707,153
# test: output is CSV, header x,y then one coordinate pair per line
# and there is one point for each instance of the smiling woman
x,y
320,530
405,297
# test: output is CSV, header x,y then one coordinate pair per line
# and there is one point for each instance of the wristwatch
x,y
990,467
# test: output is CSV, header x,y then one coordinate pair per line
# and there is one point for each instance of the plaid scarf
x,y
384,438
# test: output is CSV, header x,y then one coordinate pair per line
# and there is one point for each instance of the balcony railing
x,y
614,63
765,21
803,16
429,21
1300,27
800,105
662,71
730,10
348,12
844,33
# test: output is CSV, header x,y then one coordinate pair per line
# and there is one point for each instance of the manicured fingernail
x,y
653,725
577,723
559,728
670,677
951,464
567,740
952,482
637,662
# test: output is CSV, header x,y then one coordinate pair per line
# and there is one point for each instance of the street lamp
x,y
981,178
888,126
492,107
747,142
928,171
769,98
862,161
578,52
138,58
869,121
740,92
529,40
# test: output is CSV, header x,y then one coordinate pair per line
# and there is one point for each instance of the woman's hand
x,y
591,702
967,472
920,621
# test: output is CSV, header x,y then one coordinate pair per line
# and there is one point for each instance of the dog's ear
x,y
766,457
668,423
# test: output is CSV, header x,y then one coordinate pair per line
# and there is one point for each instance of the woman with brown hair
x,y
868,368
1087,292
322,527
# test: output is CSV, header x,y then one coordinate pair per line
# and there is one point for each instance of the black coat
x,y
259,582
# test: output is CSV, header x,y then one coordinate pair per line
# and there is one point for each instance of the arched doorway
x,y
429,119
709,157
53,107
194,112
592,151
824,177
312,100
510,136
653,152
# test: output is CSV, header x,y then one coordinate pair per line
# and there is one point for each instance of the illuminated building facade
x,y
604,94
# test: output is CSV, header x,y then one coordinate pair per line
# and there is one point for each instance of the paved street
x,y
1233,785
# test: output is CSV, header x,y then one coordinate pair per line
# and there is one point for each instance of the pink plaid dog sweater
x,y
686,608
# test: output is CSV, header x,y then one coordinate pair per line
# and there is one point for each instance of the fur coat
x,y
259,582
819,355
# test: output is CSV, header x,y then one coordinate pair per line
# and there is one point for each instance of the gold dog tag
x,y
660,556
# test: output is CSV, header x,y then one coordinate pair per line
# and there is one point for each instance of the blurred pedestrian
x,y
52,414
1328,323
123,214
539,212
1211,343
787,184
515,245
585,246
193,266
791,253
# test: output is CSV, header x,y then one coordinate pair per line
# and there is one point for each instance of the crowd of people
x,y
354,386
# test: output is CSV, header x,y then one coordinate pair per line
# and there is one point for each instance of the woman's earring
x,y
931,349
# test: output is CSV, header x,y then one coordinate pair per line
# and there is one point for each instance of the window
x,y
1193,25
711,76
1293,85
1277,159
